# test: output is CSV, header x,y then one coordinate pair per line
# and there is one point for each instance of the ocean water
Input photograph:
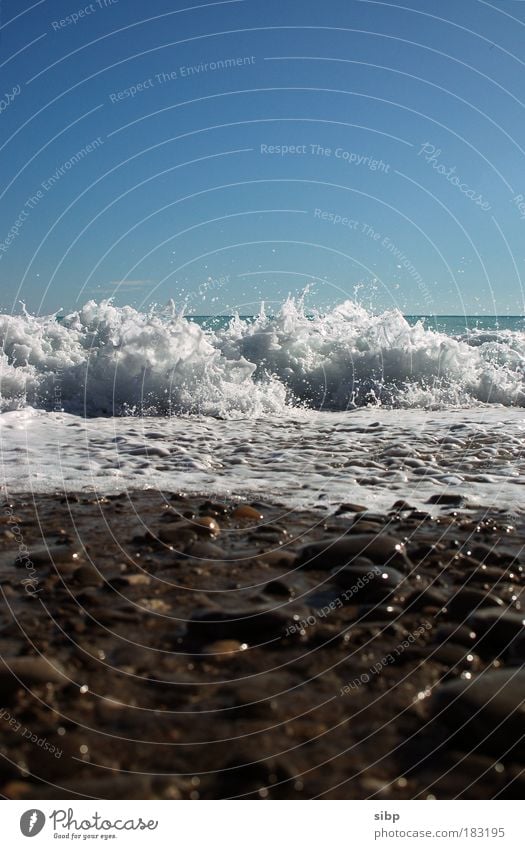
x,y
306,409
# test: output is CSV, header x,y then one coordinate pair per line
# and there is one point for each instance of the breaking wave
x,y
108,360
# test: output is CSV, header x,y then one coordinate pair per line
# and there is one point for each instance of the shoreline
x,y
177,647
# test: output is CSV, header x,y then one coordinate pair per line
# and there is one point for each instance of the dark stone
x,y
455,634
380,549
375,583
499,631
467,599
348,507
455,656
16,672
450,498
426,597
250,626
487,711
279,588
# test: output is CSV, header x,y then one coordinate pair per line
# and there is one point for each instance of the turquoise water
x,y
452,325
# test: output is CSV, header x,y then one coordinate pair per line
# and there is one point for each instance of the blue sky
x,y
224,153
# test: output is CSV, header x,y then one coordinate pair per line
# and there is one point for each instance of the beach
x,y
164,646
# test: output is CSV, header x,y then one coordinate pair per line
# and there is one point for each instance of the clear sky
x,y
223,153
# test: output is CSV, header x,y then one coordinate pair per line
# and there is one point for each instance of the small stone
x,y
206,526
178,533
137,580
204,550
279,588
247,626
277,557
88,576
455,634
244,511
468,599
15,672
222,650
380,549
53,554
427,597
371,584
455,656
498,630
348,507
361,526
487,710
451,499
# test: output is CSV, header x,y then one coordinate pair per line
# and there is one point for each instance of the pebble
x,y
244,511
46,556
449,498
380,550
224,649
468,599
204,550
15,672
427,597
498,630
206,526
248,626
88,576
487,710
455,656
277,557
373,584
348,507
186,530
178,533
455,634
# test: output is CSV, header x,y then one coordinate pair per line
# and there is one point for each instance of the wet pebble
x,y
488,710
15,672
247,626
372,584
88,576
54,554
427,597
468,599
348,507
455,657
328,554
244,511
451,499
224,650
498,630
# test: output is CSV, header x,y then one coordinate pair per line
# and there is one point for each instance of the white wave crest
x,y
108,360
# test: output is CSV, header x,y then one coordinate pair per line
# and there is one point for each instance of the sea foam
x,y
109,360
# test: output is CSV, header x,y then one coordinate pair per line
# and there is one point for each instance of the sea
x,y
304,408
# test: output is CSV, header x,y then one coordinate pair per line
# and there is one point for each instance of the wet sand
x,y
165,646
